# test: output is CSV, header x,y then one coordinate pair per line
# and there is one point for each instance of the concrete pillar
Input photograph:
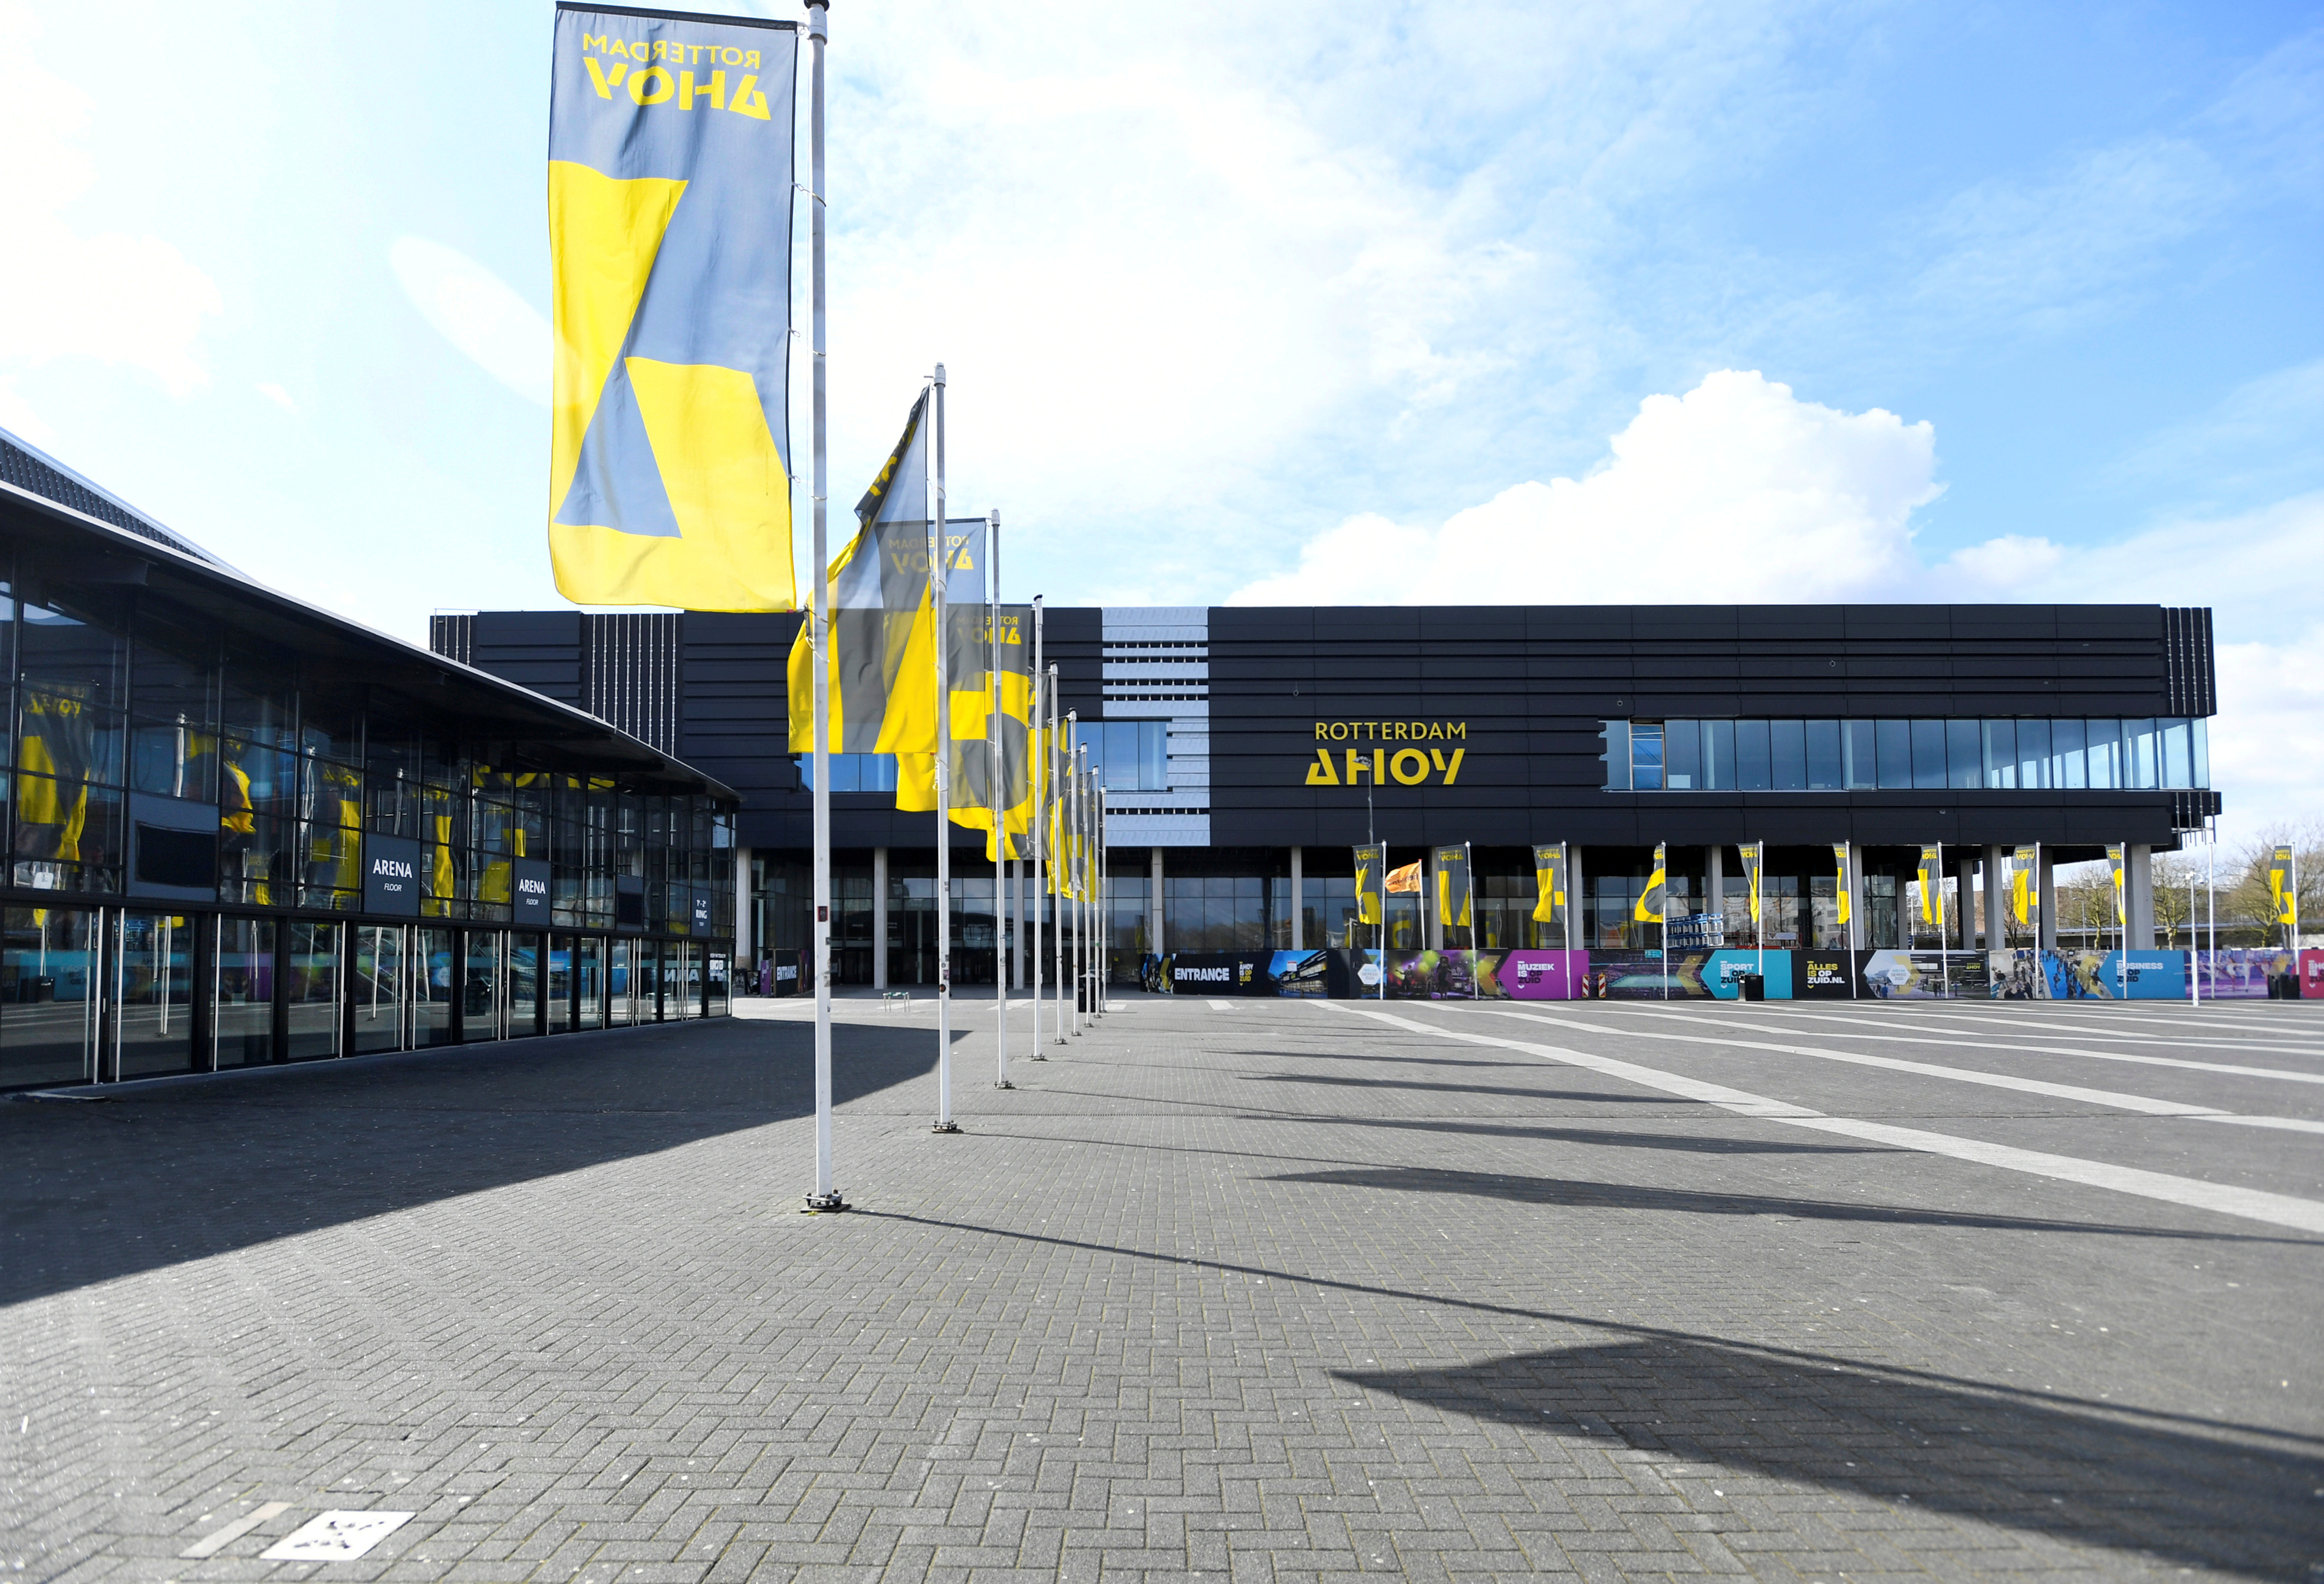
x,y
1576,897
2046,879
1856,921
879,918
1153,908
1432,933
1299,905
1997,902
745,967
1714,869
2138,895
1964,914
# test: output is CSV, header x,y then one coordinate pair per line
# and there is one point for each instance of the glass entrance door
x,y
382,990
153,996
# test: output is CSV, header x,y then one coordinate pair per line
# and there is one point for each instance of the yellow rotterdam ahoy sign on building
x,y
669,234
1423,748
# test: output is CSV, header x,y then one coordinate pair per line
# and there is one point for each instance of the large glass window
x,y
1130,756
589,981
1825,770
1683,756
1787,755
1754,766
523,984
621,982
2030,754
1646,756
48,968
852,772
1718,755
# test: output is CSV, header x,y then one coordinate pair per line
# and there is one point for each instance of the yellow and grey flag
x,y
2283,886
1455,905
2025,886
1931,876
1655,898
1371,872
882,660
970,653
1549,884
1754,855
669,237
2114,876
1840,867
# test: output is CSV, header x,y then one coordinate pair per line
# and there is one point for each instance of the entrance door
x,y
154,995
381,987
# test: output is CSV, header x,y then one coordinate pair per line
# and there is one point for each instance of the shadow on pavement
x,y
1586,1195
1690,1143
1513,1091
167,1172
2088,1478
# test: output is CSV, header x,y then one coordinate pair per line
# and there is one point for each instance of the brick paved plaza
x,y
1260,1290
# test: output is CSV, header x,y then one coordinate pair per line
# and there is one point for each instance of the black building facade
x,y
1246,750
242,831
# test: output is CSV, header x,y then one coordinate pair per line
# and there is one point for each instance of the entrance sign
x,y
391,875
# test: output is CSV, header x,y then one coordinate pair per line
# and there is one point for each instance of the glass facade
x,y
1924,755
188,819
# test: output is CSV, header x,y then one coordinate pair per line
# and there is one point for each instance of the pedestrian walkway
x,y
1271,1291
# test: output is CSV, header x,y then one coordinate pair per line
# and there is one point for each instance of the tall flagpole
x,y
1038,779
1056,861
939,576
825,1197
1070,874
996,795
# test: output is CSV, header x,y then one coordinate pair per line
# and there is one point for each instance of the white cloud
x,y
479,313
17,417
277,395
123,299
1736,491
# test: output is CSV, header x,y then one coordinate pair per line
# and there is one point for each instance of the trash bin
x,y
1754,986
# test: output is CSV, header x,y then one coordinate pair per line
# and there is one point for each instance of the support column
x,y
1154,907
1856,924
744,969
2138,895
879,918
1577,895
1299,905
1997,902
2046,879
1965,903
1432,933
1714,883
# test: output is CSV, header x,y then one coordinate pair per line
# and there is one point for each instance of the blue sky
x,y
1689,302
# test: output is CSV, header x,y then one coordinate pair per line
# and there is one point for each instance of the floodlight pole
x,y
825,1197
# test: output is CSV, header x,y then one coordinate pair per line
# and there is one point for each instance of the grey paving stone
x,y
1285,1294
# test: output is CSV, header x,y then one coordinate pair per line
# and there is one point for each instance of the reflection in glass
x,y
1825,770
1895,754
1787,755
1928,755
379,988
242,996
2001,753
311,991
1683,756
48,1029
480,986
1718,755
154,980
1754,770
2067,767
1863,759
523,984
432,987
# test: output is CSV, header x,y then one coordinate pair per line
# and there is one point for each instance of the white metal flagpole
x,y
825,1197
1057,860
1037,767
939,575
996,795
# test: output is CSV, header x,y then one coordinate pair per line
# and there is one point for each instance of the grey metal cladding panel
x,y
534,626
1494,624
1367,625
1261,624
2125,622
1791,623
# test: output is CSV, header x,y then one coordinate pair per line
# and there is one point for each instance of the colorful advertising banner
x,y
1371,864
2283,886
1549,890
1755,864
1840,867
2025,889
1932,881
670,238
1656,898
1455,905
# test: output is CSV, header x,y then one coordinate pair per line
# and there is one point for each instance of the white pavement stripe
x,y
2292,1124
1222,1006
2096,1097
210,1544
2036,1050
2279,1209
1983,1023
